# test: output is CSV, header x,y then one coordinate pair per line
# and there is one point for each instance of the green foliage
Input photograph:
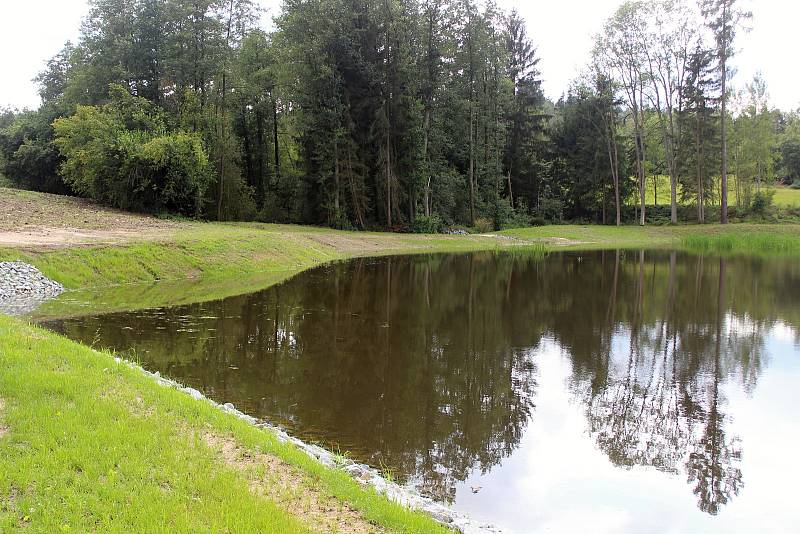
x,y
762,203
121,154
550,209
423,224
28,156
790,159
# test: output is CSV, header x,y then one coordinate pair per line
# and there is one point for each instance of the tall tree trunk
x,y
471,126
262,156
655,189
388,177
615,173
471,163
723,218
221,152
426,162
222,122
276,145
639,149
510,192
336,178
613,162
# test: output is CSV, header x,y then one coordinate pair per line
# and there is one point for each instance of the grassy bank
x,y
89,444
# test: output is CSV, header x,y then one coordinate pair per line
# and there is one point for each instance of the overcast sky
x,y
32,31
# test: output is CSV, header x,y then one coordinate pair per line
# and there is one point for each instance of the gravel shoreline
x,y
23,288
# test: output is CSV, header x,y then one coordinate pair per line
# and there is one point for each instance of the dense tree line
x,y
402,114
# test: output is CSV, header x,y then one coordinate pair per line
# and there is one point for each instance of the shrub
x,y
551,209
483,225
762,203
121,154
796,184
424,224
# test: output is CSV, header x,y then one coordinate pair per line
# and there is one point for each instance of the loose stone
x,y
23,288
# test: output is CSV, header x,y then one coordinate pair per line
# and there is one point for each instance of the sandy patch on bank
x,y
290,489
40,220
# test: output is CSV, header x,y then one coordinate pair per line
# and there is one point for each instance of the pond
x,y
617,391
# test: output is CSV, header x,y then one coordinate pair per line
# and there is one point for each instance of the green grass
x,y
587,237
208,250
89,444
752,244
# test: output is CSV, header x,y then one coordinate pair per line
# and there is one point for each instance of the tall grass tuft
x,y
759,244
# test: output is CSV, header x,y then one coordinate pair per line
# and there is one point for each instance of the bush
x,y
483,225
762,203
121,154
551,209
424,224
795,185
506,217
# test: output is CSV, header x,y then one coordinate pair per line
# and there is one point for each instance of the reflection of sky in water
x,y
559,481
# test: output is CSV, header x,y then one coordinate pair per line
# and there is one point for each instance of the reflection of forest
x,y
427,364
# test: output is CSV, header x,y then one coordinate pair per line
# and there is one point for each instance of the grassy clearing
x,y
88,444
659,188
210,261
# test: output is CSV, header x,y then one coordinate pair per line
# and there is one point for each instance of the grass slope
x,y
89,444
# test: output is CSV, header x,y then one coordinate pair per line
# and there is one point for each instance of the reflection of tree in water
x,y
661,403
427,364
713,463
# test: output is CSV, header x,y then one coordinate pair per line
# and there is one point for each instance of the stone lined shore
x,y
23,288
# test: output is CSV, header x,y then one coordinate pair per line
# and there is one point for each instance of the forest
x,y
407,115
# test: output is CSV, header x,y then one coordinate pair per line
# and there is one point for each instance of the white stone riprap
x,y
364,474
23,288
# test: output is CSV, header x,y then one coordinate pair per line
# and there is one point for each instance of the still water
x,y
602,392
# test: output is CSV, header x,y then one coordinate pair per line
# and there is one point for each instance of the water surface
x,y
605,392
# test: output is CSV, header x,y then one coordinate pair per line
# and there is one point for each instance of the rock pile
x,y
23,288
